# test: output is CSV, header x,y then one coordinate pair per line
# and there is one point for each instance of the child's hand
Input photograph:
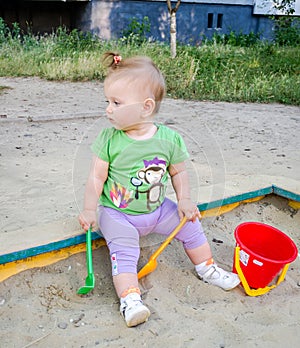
x,y
87,219
188,209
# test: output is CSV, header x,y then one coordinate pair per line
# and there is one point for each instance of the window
x,y
220,20
210,19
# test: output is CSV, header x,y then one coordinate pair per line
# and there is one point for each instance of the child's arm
x,y
93,190
180,182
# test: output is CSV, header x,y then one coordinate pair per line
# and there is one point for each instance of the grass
x,y
260,72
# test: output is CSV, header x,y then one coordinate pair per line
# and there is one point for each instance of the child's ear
x,y
148,107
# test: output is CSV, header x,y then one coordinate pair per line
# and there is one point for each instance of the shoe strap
x,y
130,300
211,271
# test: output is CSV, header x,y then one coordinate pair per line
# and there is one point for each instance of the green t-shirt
x,y
138,169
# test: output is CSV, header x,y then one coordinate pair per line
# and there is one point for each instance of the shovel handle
x,y
168,240
89,256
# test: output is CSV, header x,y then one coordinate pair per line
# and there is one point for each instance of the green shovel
x,y
90,279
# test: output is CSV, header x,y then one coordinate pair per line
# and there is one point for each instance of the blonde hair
x,y
138,69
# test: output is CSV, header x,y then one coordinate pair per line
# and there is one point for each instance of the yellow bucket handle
x,y
260,291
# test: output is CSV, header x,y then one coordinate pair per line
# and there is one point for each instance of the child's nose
x,y
108,109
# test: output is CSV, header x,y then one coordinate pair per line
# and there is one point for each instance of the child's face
x,y
125,108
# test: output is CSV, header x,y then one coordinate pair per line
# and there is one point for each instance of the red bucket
x,y
264,251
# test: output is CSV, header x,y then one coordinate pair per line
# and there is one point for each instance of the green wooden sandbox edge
x,y
30,252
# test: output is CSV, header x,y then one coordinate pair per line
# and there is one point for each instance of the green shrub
x,y
287,31
234,39
137,32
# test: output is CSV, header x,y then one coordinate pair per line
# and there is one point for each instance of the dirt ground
x,y
46,129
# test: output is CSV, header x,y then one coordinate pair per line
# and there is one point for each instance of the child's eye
x,y
113,102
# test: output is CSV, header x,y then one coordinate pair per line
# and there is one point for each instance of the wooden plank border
x,y
54,246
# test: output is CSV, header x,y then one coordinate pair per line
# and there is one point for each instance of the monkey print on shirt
x,y
151,174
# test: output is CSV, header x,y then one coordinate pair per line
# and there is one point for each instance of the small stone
x,y
2,301
169,121
62,325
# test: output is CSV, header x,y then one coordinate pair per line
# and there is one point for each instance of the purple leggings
x,y
122,232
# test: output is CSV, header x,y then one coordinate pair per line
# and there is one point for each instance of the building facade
x,y
109,18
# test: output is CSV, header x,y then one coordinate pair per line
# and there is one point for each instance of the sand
x,y
45,132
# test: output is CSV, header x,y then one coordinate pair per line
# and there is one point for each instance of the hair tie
x,y
117,59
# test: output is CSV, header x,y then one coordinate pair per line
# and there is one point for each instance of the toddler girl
x,y
130,168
